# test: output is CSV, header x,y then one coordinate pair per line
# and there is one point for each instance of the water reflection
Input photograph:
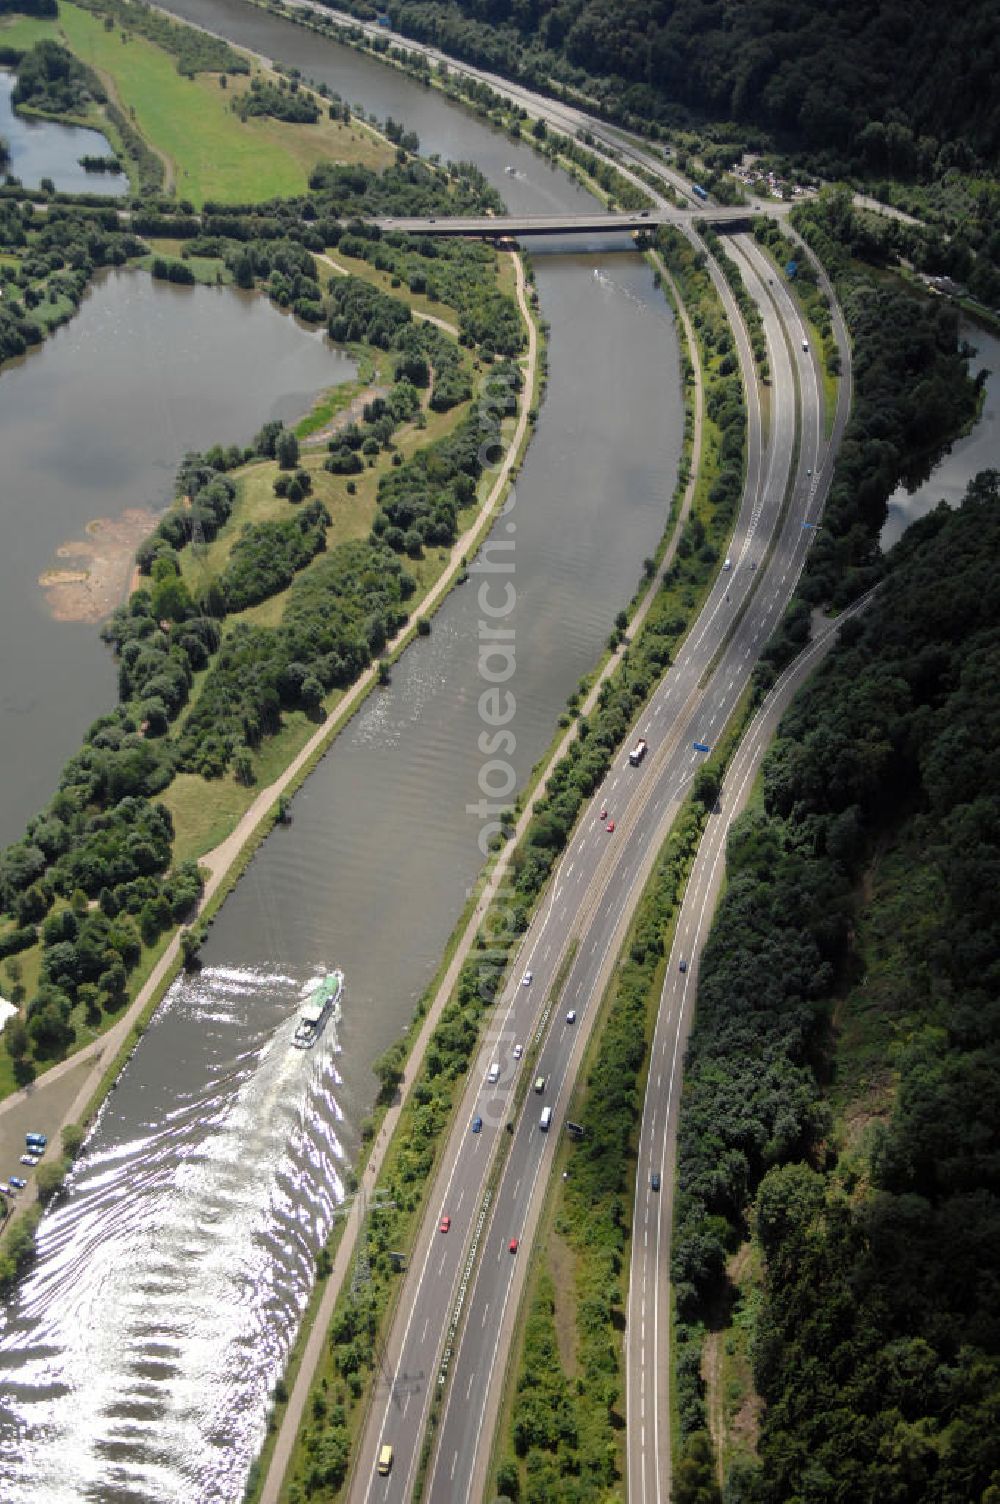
x,y
96,421
46,149
369,877
978,450
171,1278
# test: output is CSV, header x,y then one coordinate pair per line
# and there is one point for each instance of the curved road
x,y
453,1333
648,1320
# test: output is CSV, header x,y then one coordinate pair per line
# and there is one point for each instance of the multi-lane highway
x,y
518,226
461,1293
648,1321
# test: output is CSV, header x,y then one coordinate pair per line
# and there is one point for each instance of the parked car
x,y
18,1182
31,1159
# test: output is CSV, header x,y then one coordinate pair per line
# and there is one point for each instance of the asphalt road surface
x,y
460,1296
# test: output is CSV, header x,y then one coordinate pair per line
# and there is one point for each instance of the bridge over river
x,y
518,226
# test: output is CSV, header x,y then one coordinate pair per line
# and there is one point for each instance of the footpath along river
x,y
138,1356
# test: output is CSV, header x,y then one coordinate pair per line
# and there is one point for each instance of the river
x,y
140,1352
48,149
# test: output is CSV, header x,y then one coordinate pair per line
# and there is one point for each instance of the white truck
x,y
638,752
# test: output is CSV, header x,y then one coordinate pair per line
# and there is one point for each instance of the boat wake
x,y
177,1265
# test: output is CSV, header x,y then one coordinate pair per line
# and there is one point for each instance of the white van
x,y
493,1074
545,1119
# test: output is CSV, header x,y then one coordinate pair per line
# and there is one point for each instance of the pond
x,y
45,149
978,450
93,424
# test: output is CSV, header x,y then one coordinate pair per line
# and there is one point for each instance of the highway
x,y
598,223
569,119
460,1296
648,1320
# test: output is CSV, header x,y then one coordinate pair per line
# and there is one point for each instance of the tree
x,y
287,450
243,768
509,1480
15,1038
48,1178
694,1475
50,1032
191,942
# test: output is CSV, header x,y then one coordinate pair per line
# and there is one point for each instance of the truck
x,y
638,752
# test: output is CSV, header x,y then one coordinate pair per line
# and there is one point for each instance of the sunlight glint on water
x,y
173,1255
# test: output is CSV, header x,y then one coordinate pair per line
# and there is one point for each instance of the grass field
x,y
205,811
23,31
357,267
214,154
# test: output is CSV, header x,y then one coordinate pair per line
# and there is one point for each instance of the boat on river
x,y
316,1009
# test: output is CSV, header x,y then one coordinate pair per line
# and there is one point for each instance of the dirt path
x,y
292,1419
425,318
43,1100
346,416
169,170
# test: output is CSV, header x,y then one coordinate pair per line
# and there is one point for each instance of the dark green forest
x,y
847,80
853,976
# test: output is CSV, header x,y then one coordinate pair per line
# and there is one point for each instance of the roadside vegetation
x,y
838,1103
203,685
563,1428
856,90
283,567
911,396
342,1385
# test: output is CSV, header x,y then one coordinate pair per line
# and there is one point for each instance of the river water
x,y
978,450
140,1352
47,149
93,422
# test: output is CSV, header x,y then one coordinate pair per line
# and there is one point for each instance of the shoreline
x,y
106,1056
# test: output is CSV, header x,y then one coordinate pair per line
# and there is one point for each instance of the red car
x,y
611,827
512,1245
445,1223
